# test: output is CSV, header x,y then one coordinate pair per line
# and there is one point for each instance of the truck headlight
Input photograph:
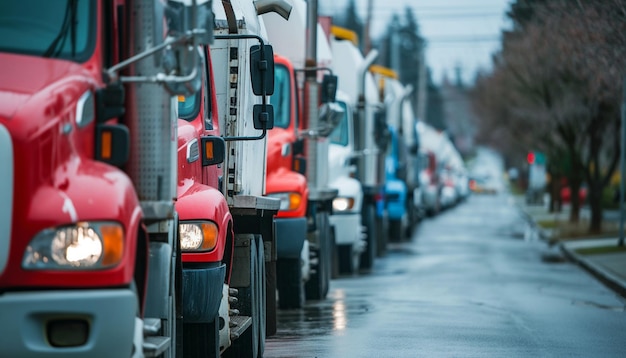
x,y
84,245
288,201
343,204
198,236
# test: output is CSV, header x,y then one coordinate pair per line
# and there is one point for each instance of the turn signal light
x,y
105,145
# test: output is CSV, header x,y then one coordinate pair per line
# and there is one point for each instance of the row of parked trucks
x,y
176,171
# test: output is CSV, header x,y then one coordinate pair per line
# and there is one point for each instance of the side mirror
x,y
213,150
299,165
263,116
112,144
262,70
401,172
329,88
183,58
330,115
381,132
110,102
298,147
182,18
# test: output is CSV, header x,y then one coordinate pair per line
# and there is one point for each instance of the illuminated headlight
x,y
85,245
288,201
343,204
198,236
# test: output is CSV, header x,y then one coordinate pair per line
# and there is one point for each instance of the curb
x,y
605,276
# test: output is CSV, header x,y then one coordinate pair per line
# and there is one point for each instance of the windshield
x,y
281,99
58,29
340,133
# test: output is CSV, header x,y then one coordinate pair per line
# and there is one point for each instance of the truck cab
x,y
86,136
286,181
298,157
348,229
370,135
399,200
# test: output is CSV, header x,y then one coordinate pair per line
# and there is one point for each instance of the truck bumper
x,y
96,323
290,235
348,229
202,293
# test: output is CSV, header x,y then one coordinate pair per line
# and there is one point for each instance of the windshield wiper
x,y
69,23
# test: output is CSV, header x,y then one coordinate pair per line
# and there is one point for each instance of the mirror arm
x,y
306,69
231,139
112,72
161,77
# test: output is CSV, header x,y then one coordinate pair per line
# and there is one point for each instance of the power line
x,y
432,15
464,38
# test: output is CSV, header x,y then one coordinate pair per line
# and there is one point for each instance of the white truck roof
x,y
347,59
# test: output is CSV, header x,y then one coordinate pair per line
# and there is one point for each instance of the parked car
x,y
483,184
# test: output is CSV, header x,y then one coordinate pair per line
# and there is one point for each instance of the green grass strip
x,y
601,250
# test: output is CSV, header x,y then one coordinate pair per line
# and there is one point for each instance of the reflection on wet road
x,y
473,282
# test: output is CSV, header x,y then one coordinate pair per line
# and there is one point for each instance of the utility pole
x,y
422,86
367,41
622,165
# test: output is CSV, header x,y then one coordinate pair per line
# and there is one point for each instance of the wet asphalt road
x,y
473,282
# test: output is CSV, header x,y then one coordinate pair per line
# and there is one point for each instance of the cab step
x,y
151,326
239,324
153,346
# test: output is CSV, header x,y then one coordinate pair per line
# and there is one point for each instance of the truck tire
x,y
271,302
395,230
336,259
348,260
317,285
413,219
369,221
247,345
201,340
382,233
261,292
290,285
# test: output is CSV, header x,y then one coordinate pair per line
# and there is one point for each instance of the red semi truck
x,y
297,171
114,223
286,181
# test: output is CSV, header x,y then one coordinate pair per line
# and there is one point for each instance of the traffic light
x,y
530,158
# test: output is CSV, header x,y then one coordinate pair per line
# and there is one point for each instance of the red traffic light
x,y
530,157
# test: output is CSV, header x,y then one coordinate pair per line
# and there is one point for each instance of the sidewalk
x,y
609,268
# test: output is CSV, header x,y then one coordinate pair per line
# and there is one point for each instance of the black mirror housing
x,y
299,165
112,144
110,102
263,116
298,147
213,150
262,70
329,88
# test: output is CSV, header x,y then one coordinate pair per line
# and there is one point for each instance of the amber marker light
x,y
294,201
113,244
208,149
106,145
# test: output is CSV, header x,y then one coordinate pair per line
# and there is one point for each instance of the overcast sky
x,y
460,33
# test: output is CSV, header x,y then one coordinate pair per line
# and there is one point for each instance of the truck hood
x,y
26,75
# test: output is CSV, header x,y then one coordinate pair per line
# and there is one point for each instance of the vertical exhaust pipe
x,y
281,7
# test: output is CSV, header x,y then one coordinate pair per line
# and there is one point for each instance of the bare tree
x,y
560,74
